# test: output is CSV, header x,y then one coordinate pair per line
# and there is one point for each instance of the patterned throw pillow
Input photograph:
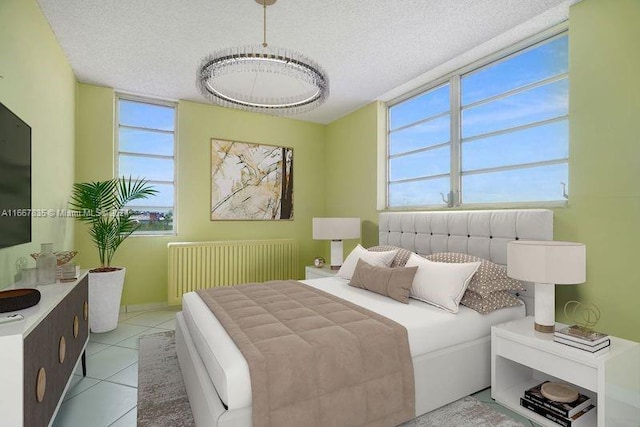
x,y
401,257
492,302
489,278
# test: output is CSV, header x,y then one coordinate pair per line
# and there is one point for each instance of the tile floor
x,y
107,396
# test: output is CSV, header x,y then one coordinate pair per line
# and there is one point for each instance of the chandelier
x,y
263,79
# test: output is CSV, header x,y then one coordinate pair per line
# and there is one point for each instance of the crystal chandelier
x,y
263,79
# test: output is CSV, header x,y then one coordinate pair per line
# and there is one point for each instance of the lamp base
x,y
544,328
336,254
545,308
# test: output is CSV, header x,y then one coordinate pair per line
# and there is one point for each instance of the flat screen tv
x,y
15,179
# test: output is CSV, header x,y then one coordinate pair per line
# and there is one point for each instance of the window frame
x,y
453,78
159,102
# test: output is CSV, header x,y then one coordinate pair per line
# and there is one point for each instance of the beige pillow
x,y
492,302
401,257
489,278
391,282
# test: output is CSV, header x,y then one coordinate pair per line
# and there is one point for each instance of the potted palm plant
x,y
101,205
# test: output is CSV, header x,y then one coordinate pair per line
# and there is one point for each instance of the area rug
x,y
466,412
162,397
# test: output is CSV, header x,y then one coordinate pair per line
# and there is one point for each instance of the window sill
x,y
475,206
168,234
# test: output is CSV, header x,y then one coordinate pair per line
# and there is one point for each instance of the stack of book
x,y
580,412
591,341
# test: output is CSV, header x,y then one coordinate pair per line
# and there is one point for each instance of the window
x,y
146,149
491,133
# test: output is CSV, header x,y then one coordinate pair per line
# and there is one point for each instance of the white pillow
x,y
439,283
377,259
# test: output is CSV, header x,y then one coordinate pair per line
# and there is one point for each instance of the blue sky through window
x,y
533,105
424,163
432,132
141,114
418,193
164,198
420,107
540,110
150,168
538,144
530,66
146,146
140,141
518,185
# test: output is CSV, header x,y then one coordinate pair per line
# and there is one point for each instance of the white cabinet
x,y
39,353
311,272
522,358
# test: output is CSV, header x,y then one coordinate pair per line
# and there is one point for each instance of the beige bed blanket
x,y
316,360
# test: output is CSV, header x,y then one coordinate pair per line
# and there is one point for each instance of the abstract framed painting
x,y
251,181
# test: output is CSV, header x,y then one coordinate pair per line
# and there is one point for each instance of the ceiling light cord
x,y
264,23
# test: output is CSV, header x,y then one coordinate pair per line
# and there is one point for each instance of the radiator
x,y
200,265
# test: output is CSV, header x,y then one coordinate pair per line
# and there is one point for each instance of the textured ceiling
x,y
370,49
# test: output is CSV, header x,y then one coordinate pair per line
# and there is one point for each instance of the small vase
x,y
46,265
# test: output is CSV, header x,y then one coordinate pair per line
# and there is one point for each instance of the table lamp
x,y
546,263
336,230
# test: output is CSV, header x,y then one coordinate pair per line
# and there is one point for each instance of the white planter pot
x,y
105,293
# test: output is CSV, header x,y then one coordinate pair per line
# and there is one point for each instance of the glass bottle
x,y
46,265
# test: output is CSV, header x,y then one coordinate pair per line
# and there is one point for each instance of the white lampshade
x,y
336,228
560,263
546,263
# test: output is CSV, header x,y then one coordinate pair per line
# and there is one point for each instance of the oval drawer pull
x,y
41,384
85,310
76,326
62,349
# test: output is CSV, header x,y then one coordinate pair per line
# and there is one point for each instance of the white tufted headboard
x,y
481,233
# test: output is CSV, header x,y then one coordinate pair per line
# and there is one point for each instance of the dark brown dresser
x,y
39,354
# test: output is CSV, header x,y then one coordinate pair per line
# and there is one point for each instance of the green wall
x,y
146,257
604,209
351,153
38,85
604,206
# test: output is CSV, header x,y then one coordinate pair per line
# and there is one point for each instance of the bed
x,y
450,352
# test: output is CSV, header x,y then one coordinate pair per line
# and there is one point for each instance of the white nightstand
x,y
311,272
522,358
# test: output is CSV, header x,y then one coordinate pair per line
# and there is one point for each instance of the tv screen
x,y
15,179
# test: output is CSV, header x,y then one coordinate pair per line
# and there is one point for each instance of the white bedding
x,y
429,329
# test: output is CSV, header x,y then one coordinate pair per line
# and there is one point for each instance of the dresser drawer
x,y
51,351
